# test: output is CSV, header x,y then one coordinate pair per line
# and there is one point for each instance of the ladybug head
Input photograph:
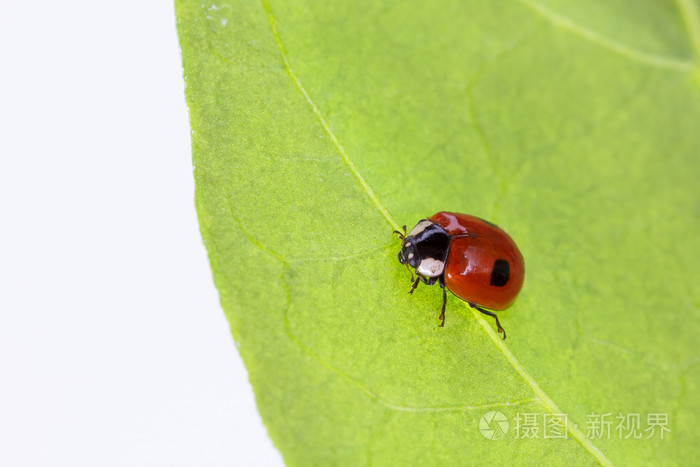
x,y
409,252
425,248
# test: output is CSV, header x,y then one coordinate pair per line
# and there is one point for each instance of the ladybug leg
x,y
418,279
444,303
493,315
410,272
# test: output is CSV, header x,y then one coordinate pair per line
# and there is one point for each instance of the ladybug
x,y
473,258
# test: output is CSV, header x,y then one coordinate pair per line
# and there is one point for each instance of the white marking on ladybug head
x,y
408,244
410,256
421,226
430,267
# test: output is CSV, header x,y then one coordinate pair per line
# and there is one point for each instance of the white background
x,y
113,347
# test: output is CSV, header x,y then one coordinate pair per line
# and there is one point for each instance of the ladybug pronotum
x,y
472,258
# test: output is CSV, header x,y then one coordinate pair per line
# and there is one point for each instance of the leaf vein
x,y
359,254
691,19
631,53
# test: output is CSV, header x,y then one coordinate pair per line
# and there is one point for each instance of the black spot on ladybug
x,y
500,273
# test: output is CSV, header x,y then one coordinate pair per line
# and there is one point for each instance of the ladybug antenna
x,y
402,236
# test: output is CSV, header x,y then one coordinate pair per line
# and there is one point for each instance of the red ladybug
x,y
475,259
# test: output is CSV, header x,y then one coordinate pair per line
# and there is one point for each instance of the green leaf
x,y
319,127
